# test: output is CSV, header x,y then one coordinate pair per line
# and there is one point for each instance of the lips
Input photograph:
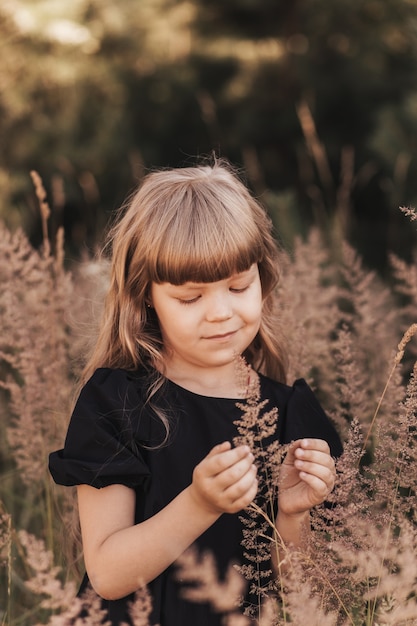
x,y
221,336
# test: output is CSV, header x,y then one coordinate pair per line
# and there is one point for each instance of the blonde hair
x,y
188,224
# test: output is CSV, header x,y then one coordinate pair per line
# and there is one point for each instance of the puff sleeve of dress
x,y
305,418
101,447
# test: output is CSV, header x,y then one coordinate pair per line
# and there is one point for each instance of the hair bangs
x,y
200,247
193,265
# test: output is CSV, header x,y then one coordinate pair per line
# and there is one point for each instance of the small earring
x,y
149,305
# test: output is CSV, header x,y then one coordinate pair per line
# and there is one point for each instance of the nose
x,y
219,308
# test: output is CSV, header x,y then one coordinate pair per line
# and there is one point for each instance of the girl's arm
x,y
307,477
120,555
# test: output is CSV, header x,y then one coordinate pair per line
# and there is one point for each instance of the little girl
x,y
150,442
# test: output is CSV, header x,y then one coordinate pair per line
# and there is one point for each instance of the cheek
x,y
174,327
258,318
253,316
255,307
254,310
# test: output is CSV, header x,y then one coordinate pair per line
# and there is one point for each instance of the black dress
x,y
110,439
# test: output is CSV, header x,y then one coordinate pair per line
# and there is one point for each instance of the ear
x,y
148,298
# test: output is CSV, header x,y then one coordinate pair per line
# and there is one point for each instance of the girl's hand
x,y
307,476
225,480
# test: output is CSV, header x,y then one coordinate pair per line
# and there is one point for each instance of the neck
x,y
231,381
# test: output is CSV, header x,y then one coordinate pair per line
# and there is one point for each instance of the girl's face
x,y
206,325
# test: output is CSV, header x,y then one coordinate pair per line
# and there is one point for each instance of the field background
x,y
316,102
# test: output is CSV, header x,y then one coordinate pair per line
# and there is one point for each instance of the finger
x,y
323,473
221,447
290,454
314,456
319,488
320,477
308,459
223,460
241,493
244,501
233,474
314,444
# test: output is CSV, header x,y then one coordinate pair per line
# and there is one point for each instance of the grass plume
x,y
351,336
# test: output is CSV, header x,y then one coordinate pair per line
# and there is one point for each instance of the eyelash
x,y
185,302
193,300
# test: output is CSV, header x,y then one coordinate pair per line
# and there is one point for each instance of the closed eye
x,y
239,289
188,301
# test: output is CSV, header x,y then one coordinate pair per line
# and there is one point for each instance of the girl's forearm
x,y
292,532
293,529
121,556
133,556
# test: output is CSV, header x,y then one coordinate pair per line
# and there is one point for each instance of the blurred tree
x,y
67,108
316,84
315,99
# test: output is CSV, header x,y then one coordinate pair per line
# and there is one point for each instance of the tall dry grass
x,y
351,335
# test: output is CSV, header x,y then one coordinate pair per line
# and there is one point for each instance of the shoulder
x,y
109,378
113,385
300,412
112,400
282,394
104,434
273,389
300,391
